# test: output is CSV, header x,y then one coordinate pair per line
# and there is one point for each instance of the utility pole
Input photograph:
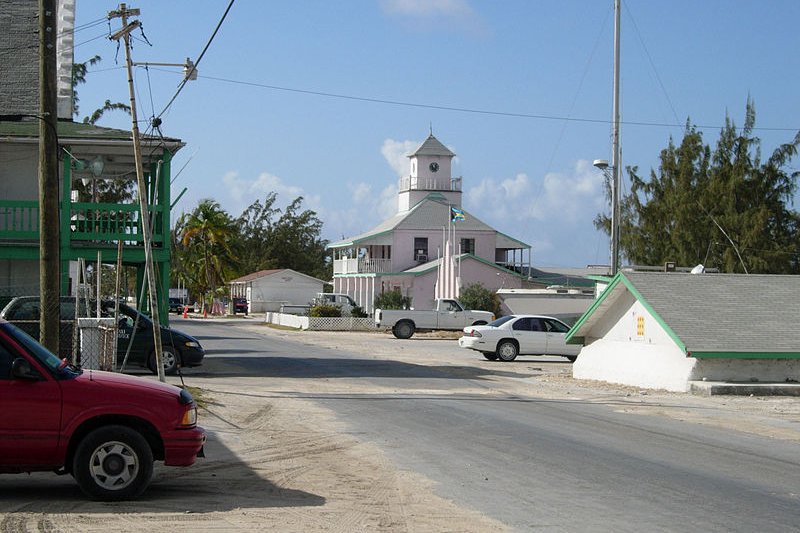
x,y
124,33
49,278
615,162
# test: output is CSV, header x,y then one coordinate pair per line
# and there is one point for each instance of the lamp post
x,y
612,175
602,164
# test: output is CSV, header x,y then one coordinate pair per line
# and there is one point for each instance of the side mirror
x,y
22,369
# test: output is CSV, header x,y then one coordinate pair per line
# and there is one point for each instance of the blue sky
x,y
324,99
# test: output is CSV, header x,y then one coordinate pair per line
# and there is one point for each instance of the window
x,y
528,324
420,248
468,246
450,305
26,310
523,324
556,327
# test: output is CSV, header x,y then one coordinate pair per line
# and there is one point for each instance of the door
x,y
29,427
450,315
556,332
140,340
530,334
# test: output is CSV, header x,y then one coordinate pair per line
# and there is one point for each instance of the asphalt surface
x,y
529,461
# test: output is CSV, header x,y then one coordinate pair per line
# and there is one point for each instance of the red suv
x,y
104,429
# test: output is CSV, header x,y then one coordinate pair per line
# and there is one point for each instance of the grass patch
x,y
198,395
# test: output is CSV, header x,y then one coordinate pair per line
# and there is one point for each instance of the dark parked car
x,y
240,305
104,429
179,349
175,305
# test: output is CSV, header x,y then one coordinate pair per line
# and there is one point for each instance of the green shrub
x,y
325,310
392,300
358,312
479,298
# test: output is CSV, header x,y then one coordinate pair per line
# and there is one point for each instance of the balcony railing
x,y
19,221
362,266
429,184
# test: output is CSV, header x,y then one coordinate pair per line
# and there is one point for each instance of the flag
x,y
456,214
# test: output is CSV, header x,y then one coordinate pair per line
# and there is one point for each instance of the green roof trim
x,y
621,279
589,312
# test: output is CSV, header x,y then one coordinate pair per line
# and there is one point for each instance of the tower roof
x,y
432,146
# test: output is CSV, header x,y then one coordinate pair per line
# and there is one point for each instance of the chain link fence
x,y
91,346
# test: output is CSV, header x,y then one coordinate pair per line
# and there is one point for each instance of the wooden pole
x,y
123,12
49,265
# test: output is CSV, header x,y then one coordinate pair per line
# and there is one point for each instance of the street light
x,y
610,172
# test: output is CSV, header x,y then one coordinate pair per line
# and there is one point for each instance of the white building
x,y
665,330
431,246
268,290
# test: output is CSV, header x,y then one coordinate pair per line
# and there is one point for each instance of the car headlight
x,y
191,344
189,417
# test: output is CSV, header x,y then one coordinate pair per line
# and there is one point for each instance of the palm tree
x,y
207,234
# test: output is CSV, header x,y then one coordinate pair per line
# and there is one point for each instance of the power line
x,y
470,110
199,58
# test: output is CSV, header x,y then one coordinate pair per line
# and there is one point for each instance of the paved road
x,y
530,462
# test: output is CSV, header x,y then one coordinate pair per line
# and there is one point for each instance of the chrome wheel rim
x,y
114,465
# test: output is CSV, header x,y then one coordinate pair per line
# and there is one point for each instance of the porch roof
x,y
88,141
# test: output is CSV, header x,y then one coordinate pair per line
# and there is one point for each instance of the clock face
x,y
434,166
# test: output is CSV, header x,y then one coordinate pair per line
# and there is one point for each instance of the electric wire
x,y
439,107
199,58
652,64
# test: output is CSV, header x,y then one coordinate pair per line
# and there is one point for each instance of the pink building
x,y
421,250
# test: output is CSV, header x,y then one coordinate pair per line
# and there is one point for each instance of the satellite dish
x,y
699,269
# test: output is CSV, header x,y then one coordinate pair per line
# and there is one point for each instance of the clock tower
x,y
430,171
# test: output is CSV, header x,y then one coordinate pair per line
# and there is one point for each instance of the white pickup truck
x,y
449,314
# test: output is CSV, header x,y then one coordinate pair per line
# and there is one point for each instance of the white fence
x,y
345,323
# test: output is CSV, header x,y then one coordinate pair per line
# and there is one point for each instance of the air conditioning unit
x,y
422,258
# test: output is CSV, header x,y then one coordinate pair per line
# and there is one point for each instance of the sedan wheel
x,y
169,358
507,350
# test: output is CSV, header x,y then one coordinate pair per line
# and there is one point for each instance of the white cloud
x,y
396,152
428,15
547,213
428,8
562,197
242,193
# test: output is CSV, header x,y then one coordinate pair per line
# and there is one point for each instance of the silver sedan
x,y
513,335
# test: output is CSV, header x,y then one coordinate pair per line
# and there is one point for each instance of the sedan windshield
x,y
500,321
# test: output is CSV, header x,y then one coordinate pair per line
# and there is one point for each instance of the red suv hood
x,y
113,379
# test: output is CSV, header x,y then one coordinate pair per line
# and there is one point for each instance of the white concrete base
x,y
637,364
659,367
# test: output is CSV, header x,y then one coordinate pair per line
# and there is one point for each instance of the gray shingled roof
x,y
432,146
715,312
429,213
